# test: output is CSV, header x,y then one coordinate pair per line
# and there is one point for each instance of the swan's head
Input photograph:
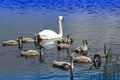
x,y
71,57
61,18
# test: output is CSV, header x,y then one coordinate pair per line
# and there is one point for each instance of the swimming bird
x,y
69,39
49,34
82,49
10,43
82,59
29,53
63,46
20,39
97,61
64,65
27,40
13,42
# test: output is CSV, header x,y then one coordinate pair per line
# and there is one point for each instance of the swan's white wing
x,y
48,34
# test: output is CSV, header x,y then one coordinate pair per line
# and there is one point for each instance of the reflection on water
x,y
98,21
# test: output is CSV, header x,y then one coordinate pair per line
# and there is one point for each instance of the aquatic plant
x,y
110,68
108,57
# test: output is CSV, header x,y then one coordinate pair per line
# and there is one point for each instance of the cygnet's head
x,y
71,57
61,17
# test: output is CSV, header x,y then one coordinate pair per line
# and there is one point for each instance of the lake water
x,y
98,21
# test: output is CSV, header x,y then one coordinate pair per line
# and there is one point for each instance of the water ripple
x,y
62,5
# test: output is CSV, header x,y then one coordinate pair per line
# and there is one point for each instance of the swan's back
x,y
48,34
83,59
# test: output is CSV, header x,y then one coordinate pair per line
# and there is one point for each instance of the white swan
x,y
49,34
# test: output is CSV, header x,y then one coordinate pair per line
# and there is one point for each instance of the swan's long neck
x,y
84,43
20,39
71,69
60,28
71,64
41,55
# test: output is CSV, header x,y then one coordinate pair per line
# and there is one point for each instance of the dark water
x,y
98,21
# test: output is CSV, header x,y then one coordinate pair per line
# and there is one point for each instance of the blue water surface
x,y
98,21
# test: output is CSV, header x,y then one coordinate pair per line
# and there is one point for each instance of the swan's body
x,y
64,65
49,34
10,43
63,46
13,42
61,65
29,53
82,59
28,40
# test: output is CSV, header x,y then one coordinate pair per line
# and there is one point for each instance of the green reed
x,y
110,68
